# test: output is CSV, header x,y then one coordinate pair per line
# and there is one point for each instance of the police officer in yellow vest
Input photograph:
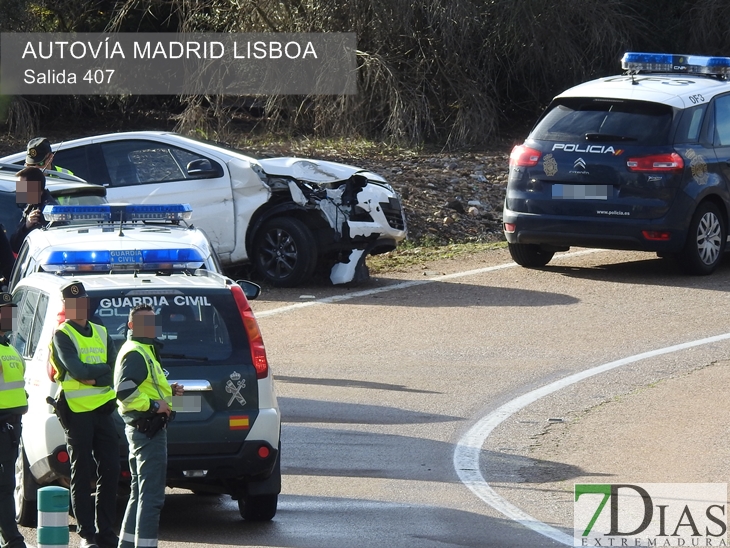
x,y
81,352
145,401
13,403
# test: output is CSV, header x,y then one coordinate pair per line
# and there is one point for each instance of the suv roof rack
x,y
635,62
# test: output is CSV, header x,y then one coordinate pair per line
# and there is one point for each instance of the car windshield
x,y
193,325
604,120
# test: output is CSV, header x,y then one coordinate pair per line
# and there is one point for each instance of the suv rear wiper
x,y
184,357
606,137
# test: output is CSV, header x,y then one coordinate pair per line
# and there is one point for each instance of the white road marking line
x,y
405,285
468,449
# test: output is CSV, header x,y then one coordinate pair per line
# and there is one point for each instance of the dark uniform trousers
x,y
93,432
9,436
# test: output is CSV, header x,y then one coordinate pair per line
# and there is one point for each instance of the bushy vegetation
x,y
453,72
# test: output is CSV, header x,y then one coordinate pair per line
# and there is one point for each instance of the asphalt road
x,y
378,384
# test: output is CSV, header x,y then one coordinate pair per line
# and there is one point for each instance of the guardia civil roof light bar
x,y
102,260
635,62
115,213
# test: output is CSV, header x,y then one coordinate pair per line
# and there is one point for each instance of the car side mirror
x,y
201,168
250,289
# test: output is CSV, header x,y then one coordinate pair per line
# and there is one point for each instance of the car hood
x,y
314,171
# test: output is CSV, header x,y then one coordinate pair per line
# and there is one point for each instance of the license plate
x,y
187,403
580,192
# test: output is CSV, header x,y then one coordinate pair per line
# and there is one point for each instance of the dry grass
x,y
454,72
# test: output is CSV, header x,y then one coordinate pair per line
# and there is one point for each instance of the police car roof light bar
x,y
124,212
674,63
125,260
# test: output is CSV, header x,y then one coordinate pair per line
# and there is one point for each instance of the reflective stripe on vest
x,y
155,386
83,397
61,170
12,384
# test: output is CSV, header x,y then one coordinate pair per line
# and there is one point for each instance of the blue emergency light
x,y
668,62
115,213
111,260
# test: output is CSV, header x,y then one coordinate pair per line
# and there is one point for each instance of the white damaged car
x,y
286,216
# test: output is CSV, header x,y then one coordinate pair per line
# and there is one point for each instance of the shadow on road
x,y
424,293
337,522
349,383
650,271
299,410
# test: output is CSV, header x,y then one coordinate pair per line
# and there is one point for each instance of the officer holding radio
x,y
145,402
81,353
30,189
13,404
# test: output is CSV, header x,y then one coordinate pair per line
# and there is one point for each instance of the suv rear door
x,y
206,349
592,157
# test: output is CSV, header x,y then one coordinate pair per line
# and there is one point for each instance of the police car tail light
x,y
656,162
657,235
669,62
522,156
255,340
115,213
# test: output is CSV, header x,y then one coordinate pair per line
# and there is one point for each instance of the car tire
x,y
285,253
530,255
705,243
258,507
26,489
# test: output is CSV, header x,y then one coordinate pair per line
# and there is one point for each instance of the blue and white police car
x,y
115,238
638,161
225,438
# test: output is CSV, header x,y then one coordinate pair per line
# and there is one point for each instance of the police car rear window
x,y
195,325
630,122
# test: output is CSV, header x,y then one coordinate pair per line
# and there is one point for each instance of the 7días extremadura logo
x,y
650,514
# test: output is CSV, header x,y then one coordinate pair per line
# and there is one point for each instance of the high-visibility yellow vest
x,y
12,382
84,397
61,170
155,386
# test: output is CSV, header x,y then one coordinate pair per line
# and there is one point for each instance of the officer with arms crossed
x,y
145,400
13,403
81,352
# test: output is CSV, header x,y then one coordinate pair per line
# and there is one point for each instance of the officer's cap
x,y
6,299
73,290
38,149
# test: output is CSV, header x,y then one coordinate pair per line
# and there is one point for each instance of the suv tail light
x,y
522,156
656,162
255,340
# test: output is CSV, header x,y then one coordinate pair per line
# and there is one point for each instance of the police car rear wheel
x,y
530,255
285,252
258,508
26,513
705,243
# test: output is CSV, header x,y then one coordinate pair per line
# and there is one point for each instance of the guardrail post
x,y
53,517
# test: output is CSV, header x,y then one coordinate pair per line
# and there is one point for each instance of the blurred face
x,y
8,316
28,192
77,309
143,324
